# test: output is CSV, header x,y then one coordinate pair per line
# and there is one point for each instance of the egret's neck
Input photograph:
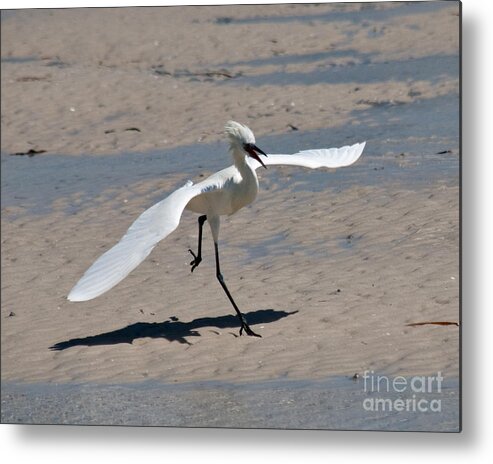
x,y
241,162
244,187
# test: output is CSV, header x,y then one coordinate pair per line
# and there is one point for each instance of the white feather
x,y
149,228
313,159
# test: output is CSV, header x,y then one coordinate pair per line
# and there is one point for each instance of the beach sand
x,y
329,270
324,303
93,71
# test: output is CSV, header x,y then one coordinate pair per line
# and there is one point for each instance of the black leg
x,y
197,258
244,326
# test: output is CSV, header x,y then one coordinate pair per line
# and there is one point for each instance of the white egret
x,y
223,193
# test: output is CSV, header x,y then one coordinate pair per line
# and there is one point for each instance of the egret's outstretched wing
x,y
313,159
149,228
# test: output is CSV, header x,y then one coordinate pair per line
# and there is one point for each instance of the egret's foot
x,y
245,327
196,260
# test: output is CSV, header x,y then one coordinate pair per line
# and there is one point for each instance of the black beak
x,y
252,150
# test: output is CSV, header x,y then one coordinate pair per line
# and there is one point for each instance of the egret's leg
x,y
197,258
244,325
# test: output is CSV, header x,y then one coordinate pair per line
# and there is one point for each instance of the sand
x,y
321,308
329,276
96,76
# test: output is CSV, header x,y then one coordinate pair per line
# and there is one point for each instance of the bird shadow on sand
x,y
173,329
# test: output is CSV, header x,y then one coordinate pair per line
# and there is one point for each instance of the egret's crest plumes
x,y
242,142
238,133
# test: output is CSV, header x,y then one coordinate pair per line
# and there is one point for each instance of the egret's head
x,y
242,139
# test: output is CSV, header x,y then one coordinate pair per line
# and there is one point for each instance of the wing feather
x,y
314,159
149,228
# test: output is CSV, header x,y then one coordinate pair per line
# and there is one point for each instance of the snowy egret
x,y
223,193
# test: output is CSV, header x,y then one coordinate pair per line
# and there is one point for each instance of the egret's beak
x,y
252,150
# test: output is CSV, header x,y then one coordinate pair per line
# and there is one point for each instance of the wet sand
x,y
334,404
329,266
